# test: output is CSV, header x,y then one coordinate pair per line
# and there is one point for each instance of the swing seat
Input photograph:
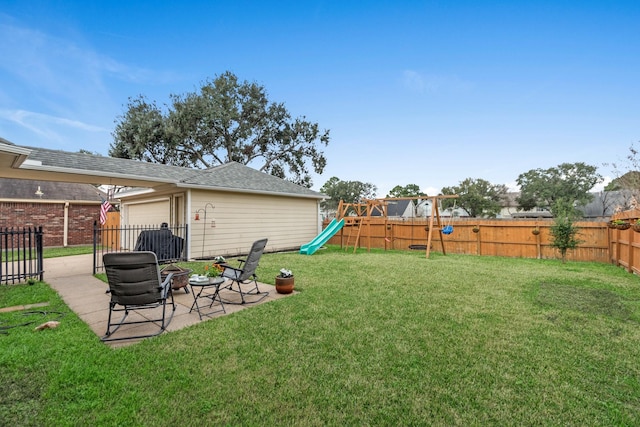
x,y
448,229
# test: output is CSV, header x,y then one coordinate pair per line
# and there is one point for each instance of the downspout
x,y
65,235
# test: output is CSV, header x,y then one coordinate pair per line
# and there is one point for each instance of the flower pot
x,y
621,226
636,228
284,285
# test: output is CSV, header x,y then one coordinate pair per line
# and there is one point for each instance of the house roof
x,y
604,203
238,177
54,165
395,208
20,189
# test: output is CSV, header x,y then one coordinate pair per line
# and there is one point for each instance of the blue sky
x,y
413,92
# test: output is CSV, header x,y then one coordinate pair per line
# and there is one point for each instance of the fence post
x,y
39,248
95,246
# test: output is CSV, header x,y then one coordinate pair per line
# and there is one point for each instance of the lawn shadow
x,y
585,300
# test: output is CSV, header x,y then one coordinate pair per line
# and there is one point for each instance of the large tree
x,y
347,191
227,120
478,197
557,187
409,190
626,172
629,181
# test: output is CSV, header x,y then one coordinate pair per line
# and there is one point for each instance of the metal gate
x,y
21,250
168,242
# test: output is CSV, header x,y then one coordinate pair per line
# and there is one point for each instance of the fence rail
x,y
168,242
21,250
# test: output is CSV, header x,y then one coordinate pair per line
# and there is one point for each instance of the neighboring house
x,y
226,207
66,211
510,208
605,204
424,208
398,209
602,206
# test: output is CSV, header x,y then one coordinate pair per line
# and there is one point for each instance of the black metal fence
x,y
168,242
21,250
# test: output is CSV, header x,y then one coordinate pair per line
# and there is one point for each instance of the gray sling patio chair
x,y
245,274
135,285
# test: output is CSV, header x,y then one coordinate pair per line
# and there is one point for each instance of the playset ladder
x,y
352,223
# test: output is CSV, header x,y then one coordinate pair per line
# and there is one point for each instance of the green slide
x,y
333,227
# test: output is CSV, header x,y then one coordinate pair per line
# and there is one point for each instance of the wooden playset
x,y
359,215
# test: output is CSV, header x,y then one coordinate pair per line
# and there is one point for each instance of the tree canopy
x,y
478,197
348,191
626,172
557,187
409,190
227,120
629,181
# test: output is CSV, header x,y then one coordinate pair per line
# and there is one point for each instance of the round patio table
x,y
210,289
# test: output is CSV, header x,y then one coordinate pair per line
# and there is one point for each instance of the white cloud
x,y
59,90
512,187
431,191
420,83
47,126
413,81
58,64
600,187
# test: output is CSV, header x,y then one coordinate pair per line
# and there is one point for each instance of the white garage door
x,y
150,213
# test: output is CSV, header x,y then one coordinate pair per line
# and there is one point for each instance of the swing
x,y
448,229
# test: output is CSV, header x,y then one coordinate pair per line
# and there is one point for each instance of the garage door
x,y
150,213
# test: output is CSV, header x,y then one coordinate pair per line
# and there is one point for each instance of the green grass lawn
x,y
380,338
52,252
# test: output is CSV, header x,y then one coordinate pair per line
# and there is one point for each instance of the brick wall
x,y
51,217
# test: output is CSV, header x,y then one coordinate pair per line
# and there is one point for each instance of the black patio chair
x,y
245,274
135,285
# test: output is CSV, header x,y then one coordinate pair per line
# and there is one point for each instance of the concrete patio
x,y
71,277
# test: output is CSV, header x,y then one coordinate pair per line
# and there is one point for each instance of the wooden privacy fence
x,y
625,243
510,238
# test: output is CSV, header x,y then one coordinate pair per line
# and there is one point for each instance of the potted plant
x,y
535,231
619,224
284,282
636,226
213,271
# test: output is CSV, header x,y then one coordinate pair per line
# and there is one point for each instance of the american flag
x,y
104,208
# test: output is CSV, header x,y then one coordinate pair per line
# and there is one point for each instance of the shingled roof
x,y
21,189
238,177
228,177
108,166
